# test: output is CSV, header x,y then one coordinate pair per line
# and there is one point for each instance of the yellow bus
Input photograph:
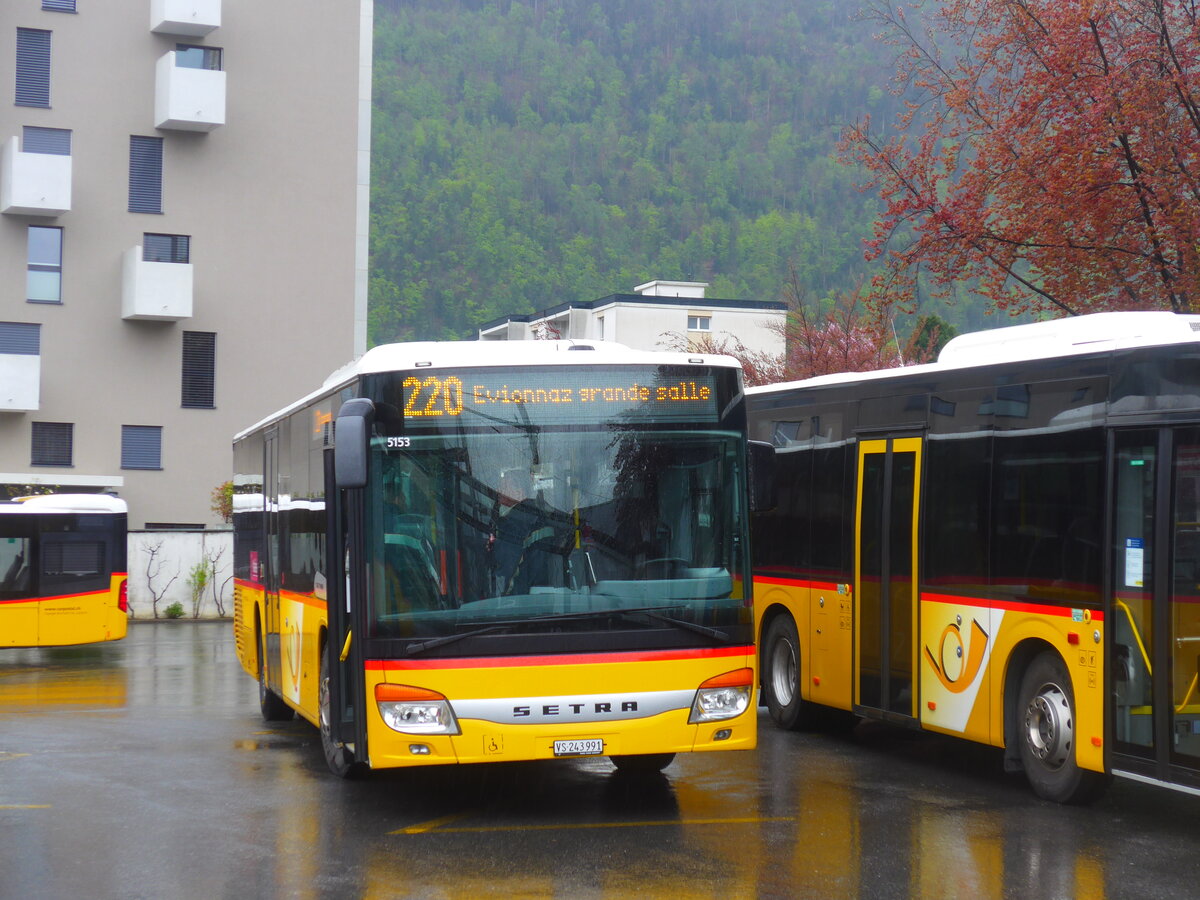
x,y
62,570
1003,546
474,552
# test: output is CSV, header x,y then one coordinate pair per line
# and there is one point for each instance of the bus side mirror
x,y
762,475
351,438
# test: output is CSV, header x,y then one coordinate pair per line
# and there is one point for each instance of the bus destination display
x,y
559,397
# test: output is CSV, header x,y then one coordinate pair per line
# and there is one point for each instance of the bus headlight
x,y
723,697
414,710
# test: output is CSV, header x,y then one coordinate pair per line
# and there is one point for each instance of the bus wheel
x,y
642,764
781,675
271,704
340,760
1046,733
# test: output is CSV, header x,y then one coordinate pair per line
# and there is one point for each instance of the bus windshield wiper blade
x,y
718,636
434,643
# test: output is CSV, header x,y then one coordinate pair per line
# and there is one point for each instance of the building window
x,y
199,369
55,141
20,338
43,278
169,248
141,446
145,174
33,67
59,5
193,56
52,443
699,323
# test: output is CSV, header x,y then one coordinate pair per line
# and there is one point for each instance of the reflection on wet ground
x,y
142,769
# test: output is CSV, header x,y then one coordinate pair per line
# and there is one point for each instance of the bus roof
x,y
65,503
461,354
1074,336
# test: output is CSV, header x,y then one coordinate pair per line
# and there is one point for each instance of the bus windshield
x,y
547,529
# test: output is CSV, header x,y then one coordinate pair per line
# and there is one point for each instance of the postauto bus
x,y
476,552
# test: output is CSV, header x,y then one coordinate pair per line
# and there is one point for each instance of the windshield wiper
x,y
434,643
718,636
650,612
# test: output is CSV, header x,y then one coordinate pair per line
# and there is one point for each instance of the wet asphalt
x,y
141,769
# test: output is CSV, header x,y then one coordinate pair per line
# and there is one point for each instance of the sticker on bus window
x,y
1135,554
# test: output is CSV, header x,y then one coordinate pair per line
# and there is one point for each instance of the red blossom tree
x,y
1053,154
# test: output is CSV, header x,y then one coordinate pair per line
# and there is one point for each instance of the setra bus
x,y
1003,545
63,576
474,552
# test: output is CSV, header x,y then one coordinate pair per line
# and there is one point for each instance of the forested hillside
x,y
529,152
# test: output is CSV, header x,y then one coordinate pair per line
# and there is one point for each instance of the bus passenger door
x,y
270,574
885,574
346,585
1154,635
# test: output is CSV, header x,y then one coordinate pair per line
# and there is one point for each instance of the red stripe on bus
x,y
1045,609
796,582
104,593
569,659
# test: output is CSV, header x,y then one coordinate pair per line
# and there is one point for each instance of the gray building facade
x,y
183,234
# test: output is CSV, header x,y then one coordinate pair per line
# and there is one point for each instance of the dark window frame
x,y
43,266
145,174
199,367
141,447
33,67
212,59
168,248
52,444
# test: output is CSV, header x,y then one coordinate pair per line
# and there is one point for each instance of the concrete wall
x,y
161,563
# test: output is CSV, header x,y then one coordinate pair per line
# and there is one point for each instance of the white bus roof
x,y
461,354
65,503
1071,336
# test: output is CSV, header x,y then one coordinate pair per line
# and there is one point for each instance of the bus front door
x,y
1154,613
885,571
270,575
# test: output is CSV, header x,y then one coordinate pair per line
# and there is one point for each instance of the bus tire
x,y
1046,734
642,763
339,758
269,703
781,675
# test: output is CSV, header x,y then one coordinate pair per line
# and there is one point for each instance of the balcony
x,y
194,18
33,184
187,99
20,382
155,291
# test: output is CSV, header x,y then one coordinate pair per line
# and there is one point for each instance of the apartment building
x,y
183,234
658,315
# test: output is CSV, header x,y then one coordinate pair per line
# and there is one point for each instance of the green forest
x,y
531,152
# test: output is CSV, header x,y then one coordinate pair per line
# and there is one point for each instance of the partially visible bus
x,y
1003,546
63,578
478,552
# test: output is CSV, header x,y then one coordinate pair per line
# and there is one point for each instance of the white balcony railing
x,y
187,99
33,184
155,291
194,18
20,382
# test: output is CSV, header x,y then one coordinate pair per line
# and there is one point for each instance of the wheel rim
x,y
323,705
1049,726
784,672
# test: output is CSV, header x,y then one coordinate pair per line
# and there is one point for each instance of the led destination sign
x,y
566,396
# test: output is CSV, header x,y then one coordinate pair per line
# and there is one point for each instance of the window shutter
x,y
59,5
20,338
33,67
141,447
199,369
52,444
145,174
55,141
